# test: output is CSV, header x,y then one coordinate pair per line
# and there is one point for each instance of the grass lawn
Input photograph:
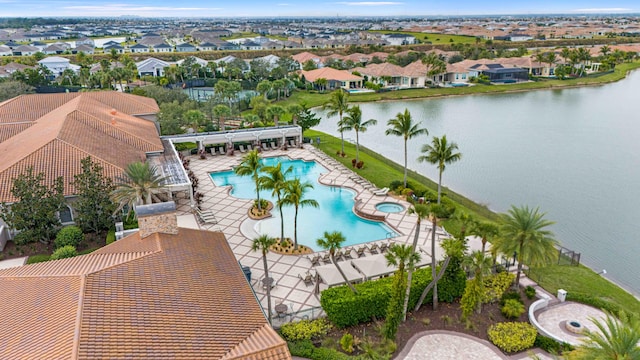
x,y
433,38
582,280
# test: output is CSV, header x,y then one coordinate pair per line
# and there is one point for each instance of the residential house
x,y
185,47
498,73
386,74
139,48
250,45
85,41
163,47
199,61
207,46
57,65
399,39
152,67
25,50
10,68
89,50
5,51
163,292
335,79
303,57
54,49
114,47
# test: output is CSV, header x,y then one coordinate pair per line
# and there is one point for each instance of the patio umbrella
x,y
331,277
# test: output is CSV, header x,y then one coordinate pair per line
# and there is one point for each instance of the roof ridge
x,y
78,323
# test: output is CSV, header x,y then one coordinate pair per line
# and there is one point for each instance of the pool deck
x,y
231,213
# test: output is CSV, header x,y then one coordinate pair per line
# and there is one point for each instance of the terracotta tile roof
x,y
166,296
305,56
378,70
53,132
329,74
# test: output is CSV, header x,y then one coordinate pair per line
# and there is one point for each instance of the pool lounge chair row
x,y
348,253
206,216
306,277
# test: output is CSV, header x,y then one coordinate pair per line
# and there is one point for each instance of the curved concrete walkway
x,y
444,345
553,320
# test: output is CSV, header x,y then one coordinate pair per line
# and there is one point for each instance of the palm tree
x,y
293,195
353,121
337,105
295,110
617,339
264,87
479,265
332,242
403,256
221,111
440,153
402,125
605,50
485,230
523,233
422,212
263,243
275,112
139,185
276,180
251,166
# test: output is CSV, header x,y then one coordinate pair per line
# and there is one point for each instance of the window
x,y
464,76
65,215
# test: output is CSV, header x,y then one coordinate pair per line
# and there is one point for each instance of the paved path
x,y
445,345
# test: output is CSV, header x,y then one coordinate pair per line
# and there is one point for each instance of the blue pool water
x,y
334,213
389,207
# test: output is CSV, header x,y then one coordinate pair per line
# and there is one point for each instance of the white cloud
x,y
369,3
132,8
602,10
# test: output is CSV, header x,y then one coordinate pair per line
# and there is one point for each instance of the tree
x,y
278,87
276,181
307,118
524,233
262,244
466,221
140,185
275,112
422,212
220,112
479,265
353,121
264,87
251,166
195,119
35,211
227,91
12,88
440,153
309,65
616,339
403,256
485,230
605,50
294,194
337,105
295,110
402,125
93,206
332,242
436,65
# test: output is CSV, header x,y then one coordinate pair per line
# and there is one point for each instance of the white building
x,y
57,65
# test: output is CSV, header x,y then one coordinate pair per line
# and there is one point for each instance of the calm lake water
x,y
575,153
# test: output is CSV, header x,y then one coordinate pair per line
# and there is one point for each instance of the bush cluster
x,y
512,309
305,329
68,235
530,292
67,251
512,336
111,236
593,301
305,349
551,346
344,308
496,285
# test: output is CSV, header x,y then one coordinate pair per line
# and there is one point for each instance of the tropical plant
x,y
68,235
221,111
276,181
403,257
479,265
332,241
440,153
466,221
262,244
616,338
353,121
67,251
485,230
93,207
337,105
294,195
251,166
512,336
402,125
524,233
140,185
422,212
275,112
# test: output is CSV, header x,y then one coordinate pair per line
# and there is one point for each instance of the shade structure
x,y
376,265
331,277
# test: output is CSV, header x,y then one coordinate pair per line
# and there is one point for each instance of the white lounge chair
x,y
381,192
221,150
265,147
273,146
242,149
206,217
307,278
292,143
249,148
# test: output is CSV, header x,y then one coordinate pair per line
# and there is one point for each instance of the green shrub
x,y
512,336
512,309
593,301
305,329
551,346
395,184
530,292
302,348
68,235
185,146
111,236
346,343
37,258
510,295
328,354
496,285
64,252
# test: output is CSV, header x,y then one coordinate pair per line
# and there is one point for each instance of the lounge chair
x,y
265,147
315,260
212,150
241,148
381,192
373,248
326,258
206,217
346,254
221,150
384,247
292,143
307,278
273,146
360,251
249,148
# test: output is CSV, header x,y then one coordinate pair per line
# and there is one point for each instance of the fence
x,y
280,319
568,257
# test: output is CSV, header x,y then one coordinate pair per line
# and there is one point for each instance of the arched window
x,y
65,214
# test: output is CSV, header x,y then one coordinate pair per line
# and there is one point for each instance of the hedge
x,y
344,308
512,336
306,349
593,301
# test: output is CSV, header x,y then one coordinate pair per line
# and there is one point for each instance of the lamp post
x,y
603,272
515,254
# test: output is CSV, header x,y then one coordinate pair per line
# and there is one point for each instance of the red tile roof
x,y
329,74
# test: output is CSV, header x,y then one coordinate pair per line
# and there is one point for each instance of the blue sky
x,y
270,8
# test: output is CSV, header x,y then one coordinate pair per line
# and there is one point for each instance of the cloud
x,y
602,10
133,8
369,3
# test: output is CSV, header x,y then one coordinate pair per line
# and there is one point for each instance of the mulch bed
x,y
11,250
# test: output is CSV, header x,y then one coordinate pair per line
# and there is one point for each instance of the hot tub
x,y
389,207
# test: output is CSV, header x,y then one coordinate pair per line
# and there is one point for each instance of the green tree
x,y
485,230
422,212
307,118
251,166
440,153
402,125
295,110
403,257
353,121
309,65
12,88
262,244
220,112
195,119
35,211
294,195
275,112
337,105
140,185
276,181
524,233
466,221
617,338
264,87
93,205
479,265
332,242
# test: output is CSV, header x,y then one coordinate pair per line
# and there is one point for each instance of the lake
x,y
575,153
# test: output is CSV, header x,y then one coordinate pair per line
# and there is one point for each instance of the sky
x,y
274,8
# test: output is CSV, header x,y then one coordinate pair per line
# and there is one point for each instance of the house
x,y
163,292
139,48
25,50
10,68
185,47
207,46
386,74
57,65
335,79
5,51
151,67
399,39
89,50
203,63
85,41
498,73
250,45
163,47
117,48
303,57
54,49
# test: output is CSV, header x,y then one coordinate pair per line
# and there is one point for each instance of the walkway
x,y
444,345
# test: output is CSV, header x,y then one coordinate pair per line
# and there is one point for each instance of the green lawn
x,y
582,280
433,38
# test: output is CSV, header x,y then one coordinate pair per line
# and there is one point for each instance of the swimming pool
x,y
334,213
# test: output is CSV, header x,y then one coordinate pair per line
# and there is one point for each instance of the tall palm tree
x,y
466,221
276,181
422,212
403,256
353,121
262,244
332,241
251,166
337,105
275,112
440,153
140,185
293,195
485,230
524,233
617,339
479,265
402,125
